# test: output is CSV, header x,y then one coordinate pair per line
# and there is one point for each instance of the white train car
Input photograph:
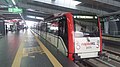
x,y
76,37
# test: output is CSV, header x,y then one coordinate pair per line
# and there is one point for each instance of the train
x,y
76,36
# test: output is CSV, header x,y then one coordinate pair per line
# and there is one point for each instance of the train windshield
x,y
84,28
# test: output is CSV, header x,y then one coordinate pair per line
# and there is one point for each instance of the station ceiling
x,y
42,8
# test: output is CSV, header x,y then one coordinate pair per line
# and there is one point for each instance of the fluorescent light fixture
x,y
34,10
78,16
3,6
75,16
30,16
95,17
115,19
82,16
76,2
35,17
40,18
89,17
14,2
30,10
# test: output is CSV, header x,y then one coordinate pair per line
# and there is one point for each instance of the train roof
x,y
62,14
56,15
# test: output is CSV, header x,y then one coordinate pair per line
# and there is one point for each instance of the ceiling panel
x,y
101,5
42,9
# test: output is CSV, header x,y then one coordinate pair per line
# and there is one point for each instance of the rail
x,y
96,62
113,52
112,55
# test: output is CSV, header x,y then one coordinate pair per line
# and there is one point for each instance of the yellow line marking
x,y
25,52
19,54
31,50
53,60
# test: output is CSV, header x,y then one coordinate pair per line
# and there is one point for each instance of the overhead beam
x,y
5,12
37,20
42,9
91,10
64,9
36,14
80,9
56,7
100,6
110,2
113,13
12,16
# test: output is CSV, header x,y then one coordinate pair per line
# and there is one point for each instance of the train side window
x,y
89,29
43,27
53,27
63,30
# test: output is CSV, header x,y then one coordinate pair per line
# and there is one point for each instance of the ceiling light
x,y
30,10
76,2
40,18
14,2
3,6
30,16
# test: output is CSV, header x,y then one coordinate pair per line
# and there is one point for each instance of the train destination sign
x,y
15,10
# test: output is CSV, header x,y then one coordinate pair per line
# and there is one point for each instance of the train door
x,y
63,30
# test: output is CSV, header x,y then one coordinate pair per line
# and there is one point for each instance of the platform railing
x,y
60,43
112,33
116,33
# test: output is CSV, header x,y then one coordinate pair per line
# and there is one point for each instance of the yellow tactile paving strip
x,y
22,52
19,54
30,50
53,60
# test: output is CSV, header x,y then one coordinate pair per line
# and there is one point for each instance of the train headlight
x,y
78,47
98,42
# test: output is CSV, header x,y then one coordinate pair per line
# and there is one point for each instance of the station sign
x,y
15,10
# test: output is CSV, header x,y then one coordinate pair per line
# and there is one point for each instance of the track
x,y
97,62
112,55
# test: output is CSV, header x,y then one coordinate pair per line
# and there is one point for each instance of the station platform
x,y
24,49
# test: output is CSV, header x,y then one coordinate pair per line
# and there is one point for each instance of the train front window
x,y
86,29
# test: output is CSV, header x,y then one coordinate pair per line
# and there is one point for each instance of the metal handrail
x,y
113,33
60,40
62,43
